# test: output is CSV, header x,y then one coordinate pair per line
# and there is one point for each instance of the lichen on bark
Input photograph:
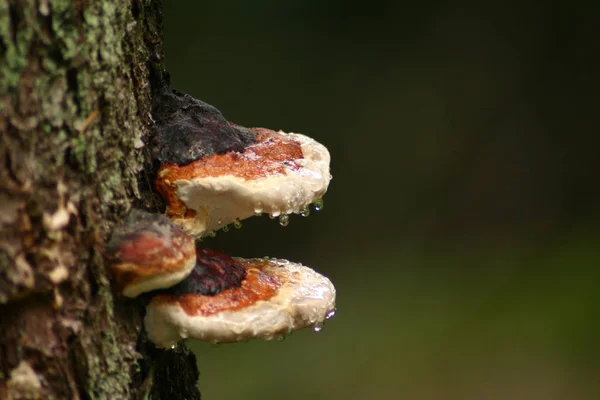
x,y
75,110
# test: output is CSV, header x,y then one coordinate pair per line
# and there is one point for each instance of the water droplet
x,y
215,344
272,216
237,224
284,220
211,234
173,346
318,205
317,327
266,258
330,314
281,338
225,228
219,222
305,212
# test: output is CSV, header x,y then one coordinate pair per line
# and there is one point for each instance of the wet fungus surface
x,y
276,298
211,173
282,173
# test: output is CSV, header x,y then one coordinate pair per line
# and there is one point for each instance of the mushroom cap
x,y
149,252
188,129
277,297
282,173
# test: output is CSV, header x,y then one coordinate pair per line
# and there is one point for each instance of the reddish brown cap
x,y
149,252
275,298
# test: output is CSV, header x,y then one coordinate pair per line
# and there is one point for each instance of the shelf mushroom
x,y
281,173
149,252
275,298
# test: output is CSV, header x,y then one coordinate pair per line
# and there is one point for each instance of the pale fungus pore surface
x,y
149,252
282,173
275,298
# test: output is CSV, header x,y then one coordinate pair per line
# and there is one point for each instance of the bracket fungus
x,y
275,298
149,252
280,174
211,173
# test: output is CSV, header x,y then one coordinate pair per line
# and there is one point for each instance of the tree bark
x,y
76,83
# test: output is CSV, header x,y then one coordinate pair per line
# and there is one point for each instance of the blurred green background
x,y
461,228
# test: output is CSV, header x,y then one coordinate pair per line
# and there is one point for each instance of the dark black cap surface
x,y
188,129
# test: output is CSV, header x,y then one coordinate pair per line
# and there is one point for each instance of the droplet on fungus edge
x,y
318,204
284,220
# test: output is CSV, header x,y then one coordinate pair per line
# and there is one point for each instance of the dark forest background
x,y
461,227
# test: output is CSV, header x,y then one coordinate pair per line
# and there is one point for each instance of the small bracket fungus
x,y
282,173
149,252
275,298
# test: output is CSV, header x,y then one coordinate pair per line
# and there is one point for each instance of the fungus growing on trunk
x,y
212,173
275,298
280,174
149,252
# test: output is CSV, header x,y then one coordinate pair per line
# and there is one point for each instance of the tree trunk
x,y
76,86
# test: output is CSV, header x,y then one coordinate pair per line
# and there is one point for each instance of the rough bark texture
x,y
75,112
